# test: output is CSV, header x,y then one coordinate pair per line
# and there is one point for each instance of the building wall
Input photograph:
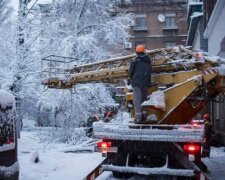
x,y
210,36
156,35
215,31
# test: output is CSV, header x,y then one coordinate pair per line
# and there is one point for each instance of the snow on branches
x,y
86,29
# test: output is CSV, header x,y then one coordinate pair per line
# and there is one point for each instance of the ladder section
x,y
66,74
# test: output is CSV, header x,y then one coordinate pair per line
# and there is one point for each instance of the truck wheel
x,y
117,174
122,175
121,161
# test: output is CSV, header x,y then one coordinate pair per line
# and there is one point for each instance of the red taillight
x,y
191,148
105,147
9,141
103,144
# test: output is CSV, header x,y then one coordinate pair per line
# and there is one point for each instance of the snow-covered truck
x,y
9,166
166,145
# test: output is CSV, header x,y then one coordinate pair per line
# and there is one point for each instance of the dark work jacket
x,y
140,71
208,130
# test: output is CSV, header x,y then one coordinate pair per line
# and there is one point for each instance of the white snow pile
x,y
122,118
152,117
221,70
213,59
6,99
176,49
156,99
35,157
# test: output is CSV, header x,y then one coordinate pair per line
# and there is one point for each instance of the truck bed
x,y
144,132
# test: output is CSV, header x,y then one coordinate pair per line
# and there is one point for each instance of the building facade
x,y
206,31
158,23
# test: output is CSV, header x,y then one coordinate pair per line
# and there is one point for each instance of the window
x,y
170,44
170,21
140,23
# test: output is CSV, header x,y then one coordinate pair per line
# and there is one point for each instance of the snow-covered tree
x,y
5,11
87,30
8,43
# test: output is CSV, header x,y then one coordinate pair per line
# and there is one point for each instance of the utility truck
x,y
166,145
9,165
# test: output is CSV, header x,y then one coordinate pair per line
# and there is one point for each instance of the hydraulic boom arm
x,y
188,80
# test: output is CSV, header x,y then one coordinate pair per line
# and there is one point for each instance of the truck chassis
x,y
165,151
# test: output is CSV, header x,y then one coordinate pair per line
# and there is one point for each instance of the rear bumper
x,y
10,172
150,171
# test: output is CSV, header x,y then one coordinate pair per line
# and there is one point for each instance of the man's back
x,y
140,71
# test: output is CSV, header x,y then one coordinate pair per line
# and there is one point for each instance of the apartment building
x,y
158,23
206,31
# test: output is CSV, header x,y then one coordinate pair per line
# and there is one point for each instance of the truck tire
x,y
121,161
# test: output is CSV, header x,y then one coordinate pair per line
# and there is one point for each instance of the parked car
x,y
9,166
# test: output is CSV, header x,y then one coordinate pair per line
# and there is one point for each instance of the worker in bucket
x,y
140,76
207,136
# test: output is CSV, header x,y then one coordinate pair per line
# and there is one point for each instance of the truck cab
x,y
9,166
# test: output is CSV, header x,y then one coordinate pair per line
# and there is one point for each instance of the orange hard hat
x,y
140,49
206,116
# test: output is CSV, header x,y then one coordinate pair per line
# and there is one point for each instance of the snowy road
x,y
216,164
57,165
53,165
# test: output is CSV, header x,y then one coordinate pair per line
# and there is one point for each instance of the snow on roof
x,y
6,99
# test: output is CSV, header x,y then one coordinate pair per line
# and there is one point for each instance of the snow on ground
x,y
216,163
56,165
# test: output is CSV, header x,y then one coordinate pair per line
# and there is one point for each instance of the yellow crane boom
x,y
184,75
113,69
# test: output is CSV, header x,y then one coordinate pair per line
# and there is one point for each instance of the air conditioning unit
x,y
128,45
